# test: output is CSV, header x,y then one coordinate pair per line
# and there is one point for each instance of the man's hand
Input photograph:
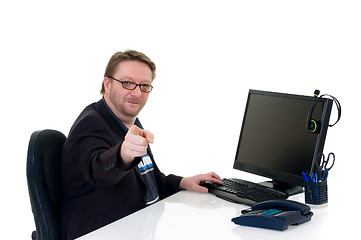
x,y
135,144
193,183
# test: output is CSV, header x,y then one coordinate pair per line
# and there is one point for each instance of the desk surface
x,y
190,215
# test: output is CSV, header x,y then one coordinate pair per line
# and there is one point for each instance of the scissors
x,y
324,167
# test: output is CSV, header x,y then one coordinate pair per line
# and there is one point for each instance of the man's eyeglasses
x,y
132,85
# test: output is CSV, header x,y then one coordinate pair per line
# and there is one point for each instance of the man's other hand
x,y
193,183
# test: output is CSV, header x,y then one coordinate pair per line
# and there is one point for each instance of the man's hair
x,y
128,55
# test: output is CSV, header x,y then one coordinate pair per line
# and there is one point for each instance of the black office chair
x,y
44,184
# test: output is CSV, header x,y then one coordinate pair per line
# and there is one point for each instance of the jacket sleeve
x,y
95,150
172,184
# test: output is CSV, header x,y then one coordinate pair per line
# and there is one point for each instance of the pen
x,y
307,179
315,177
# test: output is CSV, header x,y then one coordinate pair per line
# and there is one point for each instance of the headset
x,y
313,125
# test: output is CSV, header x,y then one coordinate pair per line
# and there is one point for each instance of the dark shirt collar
x,y
120,123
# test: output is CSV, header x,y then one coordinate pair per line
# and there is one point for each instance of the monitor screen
x,y
274,140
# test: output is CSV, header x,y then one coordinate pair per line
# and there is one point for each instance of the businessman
x,y
108,169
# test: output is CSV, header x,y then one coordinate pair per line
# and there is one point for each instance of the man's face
x,y
126,104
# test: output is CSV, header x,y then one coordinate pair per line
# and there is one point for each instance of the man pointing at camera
x,y
108,170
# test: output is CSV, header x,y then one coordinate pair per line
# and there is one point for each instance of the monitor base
x,y
283,187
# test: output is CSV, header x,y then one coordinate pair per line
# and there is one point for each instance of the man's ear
x,y
106,83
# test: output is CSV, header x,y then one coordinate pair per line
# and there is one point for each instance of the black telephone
x,y
275,214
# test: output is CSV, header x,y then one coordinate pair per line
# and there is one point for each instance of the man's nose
x,y
136,91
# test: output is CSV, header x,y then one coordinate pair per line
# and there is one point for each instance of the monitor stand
x,y
283,187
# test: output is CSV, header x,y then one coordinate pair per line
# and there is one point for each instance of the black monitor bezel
x,y
284,178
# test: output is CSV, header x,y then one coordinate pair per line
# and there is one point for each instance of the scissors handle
x,y
328,159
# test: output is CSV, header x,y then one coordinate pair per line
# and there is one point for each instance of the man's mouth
x,y
132,102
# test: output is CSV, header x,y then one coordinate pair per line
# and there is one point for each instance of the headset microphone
x,y
316,93
313,125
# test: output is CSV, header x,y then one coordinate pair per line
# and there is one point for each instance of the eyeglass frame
x,y
136,84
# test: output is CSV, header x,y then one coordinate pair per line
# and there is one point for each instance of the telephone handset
x,y
275,214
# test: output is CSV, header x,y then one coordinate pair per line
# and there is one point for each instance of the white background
x,y
208,54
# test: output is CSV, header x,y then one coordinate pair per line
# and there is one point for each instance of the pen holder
x,y
316,192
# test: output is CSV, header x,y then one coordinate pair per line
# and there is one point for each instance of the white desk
x,y
190,215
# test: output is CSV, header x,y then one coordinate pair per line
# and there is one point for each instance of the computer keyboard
x,y
244,192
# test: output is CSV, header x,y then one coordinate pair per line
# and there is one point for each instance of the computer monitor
x,y
274,140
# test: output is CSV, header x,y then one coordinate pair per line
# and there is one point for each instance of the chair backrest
x,y
44,182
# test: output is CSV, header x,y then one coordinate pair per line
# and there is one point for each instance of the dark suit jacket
x,y
96,191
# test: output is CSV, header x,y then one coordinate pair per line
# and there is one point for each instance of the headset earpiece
x,y
313,125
